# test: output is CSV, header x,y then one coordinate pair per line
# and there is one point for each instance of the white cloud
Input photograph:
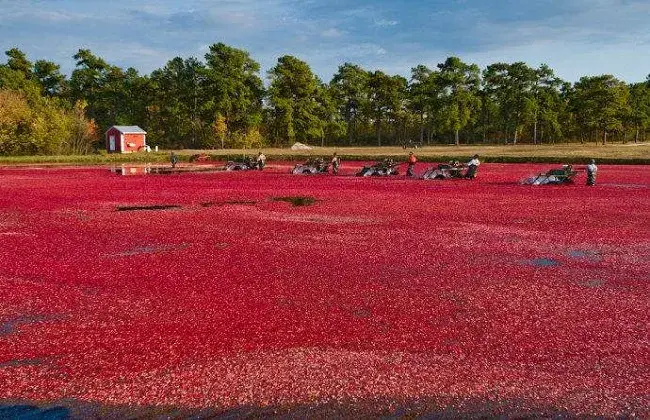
x,y
373,15
571,60
574,37
332,33
385,22
43,16
602,22
360,50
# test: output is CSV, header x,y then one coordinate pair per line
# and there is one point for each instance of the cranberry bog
x,y
274,293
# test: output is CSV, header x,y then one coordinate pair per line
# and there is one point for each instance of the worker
x,y
261,161
472,167
173,159
336,162
411,164
591,173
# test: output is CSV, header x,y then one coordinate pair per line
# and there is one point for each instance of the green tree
x,y
177,104
45,73
42,126
233,88
547,103
18,61
460,98
490,121
82,133
600,103
639,106
511,87
350,96
220,129
15,121
423,93
16,75
386,95
88,82
49,76
330,120
137,93
292,96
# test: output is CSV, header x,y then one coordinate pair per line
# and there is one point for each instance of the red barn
x,y
125,139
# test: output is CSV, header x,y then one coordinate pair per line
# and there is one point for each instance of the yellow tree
x,y
15,121
220,129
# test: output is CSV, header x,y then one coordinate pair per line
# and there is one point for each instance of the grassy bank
x,y
565,153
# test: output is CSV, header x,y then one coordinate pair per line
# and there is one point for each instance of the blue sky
x,y
574,37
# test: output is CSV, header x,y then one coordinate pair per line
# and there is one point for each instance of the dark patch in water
x,y
229,202
9,327
542,262
81,215
21,362
584,254
147,249
154,207
593,283
297,201
241,202
369,408
626,185
221,245
284,302
20,411
362,313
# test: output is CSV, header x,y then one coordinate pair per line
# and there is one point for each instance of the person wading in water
x,y
411,162
591,173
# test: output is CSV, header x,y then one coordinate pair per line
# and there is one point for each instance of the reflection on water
x,y
542,262
24,411
149,169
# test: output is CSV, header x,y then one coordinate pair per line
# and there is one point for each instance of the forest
x,y
224,101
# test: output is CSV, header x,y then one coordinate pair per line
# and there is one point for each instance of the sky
x,y
574,37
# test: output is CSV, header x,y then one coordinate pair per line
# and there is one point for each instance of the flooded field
x,y
263,293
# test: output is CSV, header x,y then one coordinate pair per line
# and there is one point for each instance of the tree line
x,y
223,102
36,115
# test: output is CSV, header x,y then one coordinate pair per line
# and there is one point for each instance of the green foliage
x,y
233,89
548,105
295,103
113,96
222,103
45,126
385,99
49,76
601,103
17,81
330,121
460,102
33,119
17,61
178,118
251,139
348,91
512,86
639,110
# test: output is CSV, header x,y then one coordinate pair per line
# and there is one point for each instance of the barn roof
x,y
129,129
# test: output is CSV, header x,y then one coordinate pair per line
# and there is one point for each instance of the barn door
x,y
111,143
